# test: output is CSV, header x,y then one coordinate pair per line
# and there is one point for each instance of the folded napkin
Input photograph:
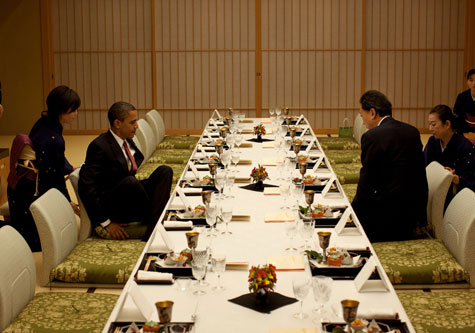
x,y
287,263
378,313
246,121
293,330
350,246
154,276
271,191
245,145
237,265
178,224
158,245
247,131
268,145
241,218
191,190
279,217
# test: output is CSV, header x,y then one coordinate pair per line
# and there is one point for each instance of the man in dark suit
x,y
391,198
111,194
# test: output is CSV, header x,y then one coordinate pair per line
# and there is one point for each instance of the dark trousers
x,y
141,200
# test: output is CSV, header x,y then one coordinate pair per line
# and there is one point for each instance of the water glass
x,y
198,270
285,193
211,214
235,157
218,263
322,289
291,231
227,214
307,229
301,287
219,181
297,191
230,179
271,112
226,158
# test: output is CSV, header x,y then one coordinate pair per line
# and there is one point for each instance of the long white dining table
x,y
253,242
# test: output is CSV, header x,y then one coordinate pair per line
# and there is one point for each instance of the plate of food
x,y
320,212
337,258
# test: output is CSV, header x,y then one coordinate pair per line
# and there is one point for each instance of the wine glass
x,y
226,158
284,193
235,157
211,214
227,214
230,139
219,181
218,263
238,140
306,230
278,112
198,270
230,178
271,112
301,287
297,191
322,289
291,232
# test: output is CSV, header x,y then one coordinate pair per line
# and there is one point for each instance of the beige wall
x,y
20,66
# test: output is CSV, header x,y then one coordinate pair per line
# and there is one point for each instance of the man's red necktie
x,y
131,158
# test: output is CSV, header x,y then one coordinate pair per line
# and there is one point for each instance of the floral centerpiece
x,y
261,281
259,130
258,175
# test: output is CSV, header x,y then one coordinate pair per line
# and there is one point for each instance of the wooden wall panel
x,y
187,57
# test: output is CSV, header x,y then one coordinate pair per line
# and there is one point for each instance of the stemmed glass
x,y
322,289
230,178
198,270
306,230
230,139
219,181
301,287
227,214
238,140
291,231
285,193
211,214
226,158
219,266
278,112
297,191
271,112
235,157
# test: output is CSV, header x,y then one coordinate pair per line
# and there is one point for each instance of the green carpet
x,y
440,312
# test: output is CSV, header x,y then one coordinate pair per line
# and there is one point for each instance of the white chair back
x,y
439,181
56,224
85,228
154,125
158,120
146,138
458,232
17,275
357,128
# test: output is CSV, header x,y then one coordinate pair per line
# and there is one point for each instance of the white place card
x,y
317,163
340,226
299,119
212,123
202,150
364,284
162,233
194,170
146,308
328,185
183,198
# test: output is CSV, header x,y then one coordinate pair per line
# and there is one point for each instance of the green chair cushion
x,y
99,261
170,156
336,143
350,190
420,261
440,312
343,156
147,169
347,173
135,230
64,312
178,142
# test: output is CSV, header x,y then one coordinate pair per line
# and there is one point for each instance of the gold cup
x,y
223,131
164,309
324,240
206,197
293,131
230,112
227,121
288,120
192,239
350,308
303,169
219,148
297,148
286,111
309,197
212,168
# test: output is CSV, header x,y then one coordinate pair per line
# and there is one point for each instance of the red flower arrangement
x,y
262,278
259,173
259,129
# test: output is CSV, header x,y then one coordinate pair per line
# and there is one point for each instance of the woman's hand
x,y
75,209
456,179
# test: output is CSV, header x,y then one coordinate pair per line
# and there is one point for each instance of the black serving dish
x,y
123,326
176,271
345,273
393,324
175,217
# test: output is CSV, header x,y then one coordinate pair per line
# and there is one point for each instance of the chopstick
x,y
147,265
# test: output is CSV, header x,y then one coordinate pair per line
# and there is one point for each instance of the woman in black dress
x,y
464,107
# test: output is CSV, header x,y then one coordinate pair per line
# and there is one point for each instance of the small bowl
x,y
359,324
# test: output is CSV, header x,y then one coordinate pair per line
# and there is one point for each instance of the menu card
x,y
183,198
162,241
309,147
364,284
194,170
216,112
317,163
146,308
271,191
328,185
279,217
287,263
340,226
